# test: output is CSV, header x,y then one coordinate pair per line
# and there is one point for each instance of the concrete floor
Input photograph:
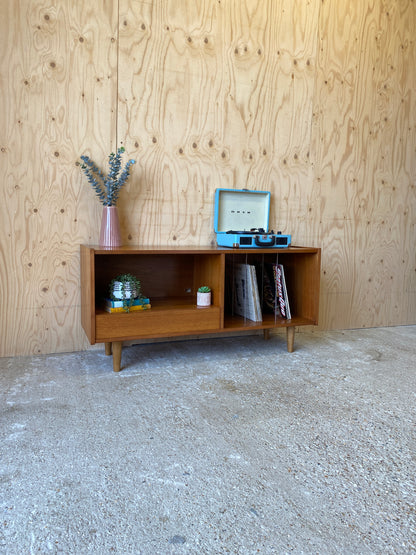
x,y
228,445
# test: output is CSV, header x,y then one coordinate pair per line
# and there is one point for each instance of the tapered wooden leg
x,y
290,334
117,347
266,334
108,349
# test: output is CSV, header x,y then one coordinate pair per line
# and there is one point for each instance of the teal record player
x,y
241,219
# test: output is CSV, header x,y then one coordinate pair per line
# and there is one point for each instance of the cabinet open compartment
x,y
302,275
165,278
169,280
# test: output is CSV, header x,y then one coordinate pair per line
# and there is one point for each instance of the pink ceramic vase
x,y
110,235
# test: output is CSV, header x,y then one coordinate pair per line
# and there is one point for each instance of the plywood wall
x,y
314,101
364,144
58,98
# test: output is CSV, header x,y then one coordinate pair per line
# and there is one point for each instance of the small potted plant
x,y
203,296
126,288
107,188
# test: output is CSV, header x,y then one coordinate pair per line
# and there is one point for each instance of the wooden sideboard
x,y
170,277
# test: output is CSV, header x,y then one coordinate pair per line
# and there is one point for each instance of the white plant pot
x,y
203,299
128,292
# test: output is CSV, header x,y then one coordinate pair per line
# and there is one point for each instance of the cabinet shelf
x,y
268,322
171,277
167,303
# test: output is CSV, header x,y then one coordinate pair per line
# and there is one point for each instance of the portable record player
x,y
241,219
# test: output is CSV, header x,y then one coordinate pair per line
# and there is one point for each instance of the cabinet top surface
x,y
139,249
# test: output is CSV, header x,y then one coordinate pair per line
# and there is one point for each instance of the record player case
x,y
241,219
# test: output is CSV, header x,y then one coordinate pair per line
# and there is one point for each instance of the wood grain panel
x,y
221,97
363,145
58,68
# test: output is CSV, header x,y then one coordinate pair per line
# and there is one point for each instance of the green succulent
x,y
204,289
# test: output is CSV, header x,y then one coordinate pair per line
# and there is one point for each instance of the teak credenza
x,y
170,277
